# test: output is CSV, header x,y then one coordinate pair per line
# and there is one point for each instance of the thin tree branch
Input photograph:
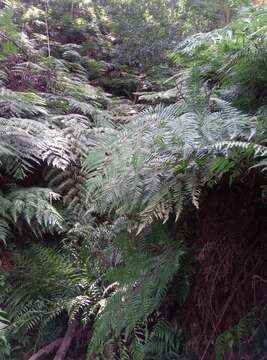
x,y
67,340
47,350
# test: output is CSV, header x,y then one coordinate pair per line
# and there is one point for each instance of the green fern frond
x,y
4,230
245,338
34,206
42,281
132,170
164,342
191,44
30,140
81,107
21,104
140,292
28,67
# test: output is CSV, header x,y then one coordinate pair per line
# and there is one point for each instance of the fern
x,y
135,170
41,280
81,107
3,321
35,207
114,183
191,44
31,141
164,341
231,59
45,286
140,292
3,77
21,104
4,230
247,337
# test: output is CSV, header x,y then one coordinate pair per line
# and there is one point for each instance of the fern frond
x,y
81,107
252,327
141,290
30,140
135,169
192,43
21,104
34,206
4,230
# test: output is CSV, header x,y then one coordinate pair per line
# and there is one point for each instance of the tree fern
x,y
152,149
114,183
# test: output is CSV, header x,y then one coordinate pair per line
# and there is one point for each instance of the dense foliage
x,y
133,180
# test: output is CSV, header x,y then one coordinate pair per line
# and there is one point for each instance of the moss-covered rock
x,y
120,86
72,56
71,47
167,97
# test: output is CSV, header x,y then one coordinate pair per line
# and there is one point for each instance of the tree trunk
x,y
72,10
227,15
47,350
173,8
47,28
67,340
